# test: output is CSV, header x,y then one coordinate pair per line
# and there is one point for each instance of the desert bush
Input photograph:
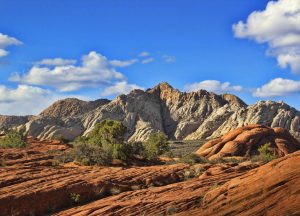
x,y
137,148
106,141
192,159
156,145
266,152
84,154
13,139
80,140
75,198
214,186
121,151
62,139
63,157
169,154
199,170
219,160
90,155
188,174
107,132
114,190
171,210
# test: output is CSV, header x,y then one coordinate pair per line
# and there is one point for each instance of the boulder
x,y
245,141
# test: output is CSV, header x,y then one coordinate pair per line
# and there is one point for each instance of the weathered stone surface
x,y
272,189
71,107
12,121
245,141
31,185
195,115
164,200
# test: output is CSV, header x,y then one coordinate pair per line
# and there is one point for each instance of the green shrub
x,y
137,148
156,145
107,132
85,154
62,139
171,210
91,155
75,198
106,142
192,159
219,160
13,139
214,186
266,152
80,140
119,151
63,157
188,174
169,154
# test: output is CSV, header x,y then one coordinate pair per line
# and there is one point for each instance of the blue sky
x,y
130,44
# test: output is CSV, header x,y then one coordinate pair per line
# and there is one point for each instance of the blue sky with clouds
x,y
54,49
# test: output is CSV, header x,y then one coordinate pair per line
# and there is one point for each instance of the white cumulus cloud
x,y
56,62
126,63
119,88
6,41
213,86
23,100
95,71
28,100
278,26
278,87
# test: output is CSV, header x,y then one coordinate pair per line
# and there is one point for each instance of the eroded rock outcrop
x,y
71,107
12,121
272,189
245,141
30,184
181,115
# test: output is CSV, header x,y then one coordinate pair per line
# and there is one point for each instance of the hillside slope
x,y
181,115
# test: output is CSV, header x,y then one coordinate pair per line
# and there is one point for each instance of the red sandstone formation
x,y
31,185
272,189
245,141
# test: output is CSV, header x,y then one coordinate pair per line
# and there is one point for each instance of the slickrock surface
x,y
181,115
37,152
245,141
177,197
272,189
43,189
31,185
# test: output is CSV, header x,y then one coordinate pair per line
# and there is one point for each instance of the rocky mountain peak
x,y
181,115
234,100
163,86
71,107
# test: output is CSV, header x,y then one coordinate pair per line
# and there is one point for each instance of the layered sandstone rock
x,y
272,189
31,185
164,200
245,141
181,115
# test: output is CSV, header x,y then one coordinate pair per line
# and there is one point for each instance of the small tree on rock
x,y
107,132
156,145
